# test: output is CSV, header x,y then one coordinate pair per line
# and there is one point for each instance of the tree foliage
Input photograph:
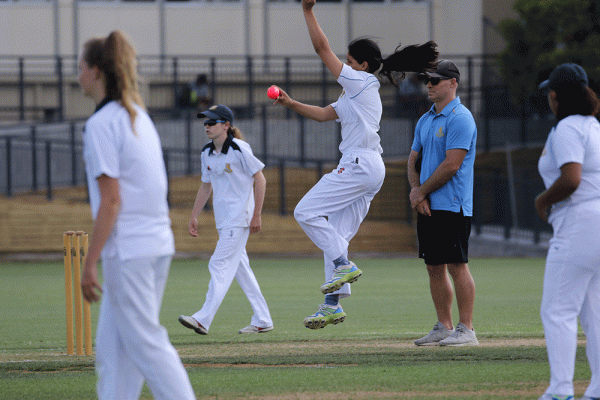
x,y
549,33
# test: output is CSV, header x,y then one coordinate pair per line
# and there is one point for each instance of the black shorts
x,y
443,237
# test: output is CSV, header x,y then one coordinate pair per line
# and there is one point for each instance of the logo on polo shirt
x,y
228,168
440,132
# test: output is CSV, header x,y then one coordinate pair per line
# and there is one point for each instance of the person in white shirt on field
x,y
127,184
332,211
234,175
570,168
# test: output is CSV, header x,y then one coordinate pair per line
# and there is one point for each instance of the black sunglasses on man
x,y
434,81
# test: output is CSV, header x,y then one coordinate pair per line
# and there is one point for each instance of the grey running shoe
x,y
191,323
462,336
433,338
255,329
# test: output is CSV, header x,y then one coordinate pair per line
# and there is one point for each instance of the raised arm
x,y
319,40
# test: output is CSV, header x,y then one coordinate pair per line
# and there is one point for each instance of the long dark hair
x,y
413,58
576,100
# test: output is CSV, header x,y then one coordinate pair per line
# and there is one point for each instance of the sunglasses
x,y
213,122
434,81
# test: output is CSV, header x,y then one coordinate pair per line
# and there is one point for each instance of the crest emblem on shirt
x,y
440,132
228,168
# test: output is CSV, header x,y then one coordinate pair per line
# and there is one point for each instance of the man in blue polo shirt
x,y
442,195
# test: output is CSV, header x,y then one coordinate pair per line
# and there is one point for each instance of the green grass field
x,y
369,356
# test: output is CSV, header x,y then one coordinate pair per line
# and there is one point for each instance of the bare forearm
x,y
413,176
319,40
201,199
317,36
103,226
315,113
260,188
442,174
559,191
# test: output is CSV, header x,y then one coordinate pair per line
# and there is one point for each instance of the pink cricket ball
x,y
273,92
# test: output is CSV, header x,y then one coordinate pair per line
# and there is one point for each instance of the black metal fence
x,y
481,86
503,205
37,156
44,158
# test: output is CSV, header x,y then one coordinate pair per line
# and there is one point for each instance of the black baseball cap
x,y
445,69
218,112
566,75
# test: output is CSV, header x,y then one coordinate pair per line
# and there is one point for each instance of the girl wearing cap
x,y
235,175
570,168
332,211
127,184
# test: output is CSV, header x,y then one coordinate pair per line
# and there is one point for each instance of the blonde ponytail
x,y
235,132
115,57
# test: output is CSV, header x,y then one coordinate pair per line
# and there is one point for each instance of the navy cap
x,y
568,74
218,112
445,69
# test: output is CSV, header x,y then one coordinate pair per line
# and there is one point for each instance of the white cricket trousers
x,y
572,289
131,345
332,211
229,261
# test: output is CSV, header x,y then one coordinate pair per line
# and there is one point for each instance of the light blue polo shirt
x,y
453,128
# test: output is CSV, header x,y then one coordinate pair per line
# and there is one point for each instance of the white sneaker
x,y
255,329
438,333
462,336
191,323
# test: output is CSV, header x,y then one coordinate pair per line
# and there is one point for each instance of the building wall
x,y
252,27
458,26
496,11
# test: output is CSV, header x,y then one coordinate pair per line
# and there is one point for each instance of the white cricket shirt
x,y
575,138
110,147
231,174
359,110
